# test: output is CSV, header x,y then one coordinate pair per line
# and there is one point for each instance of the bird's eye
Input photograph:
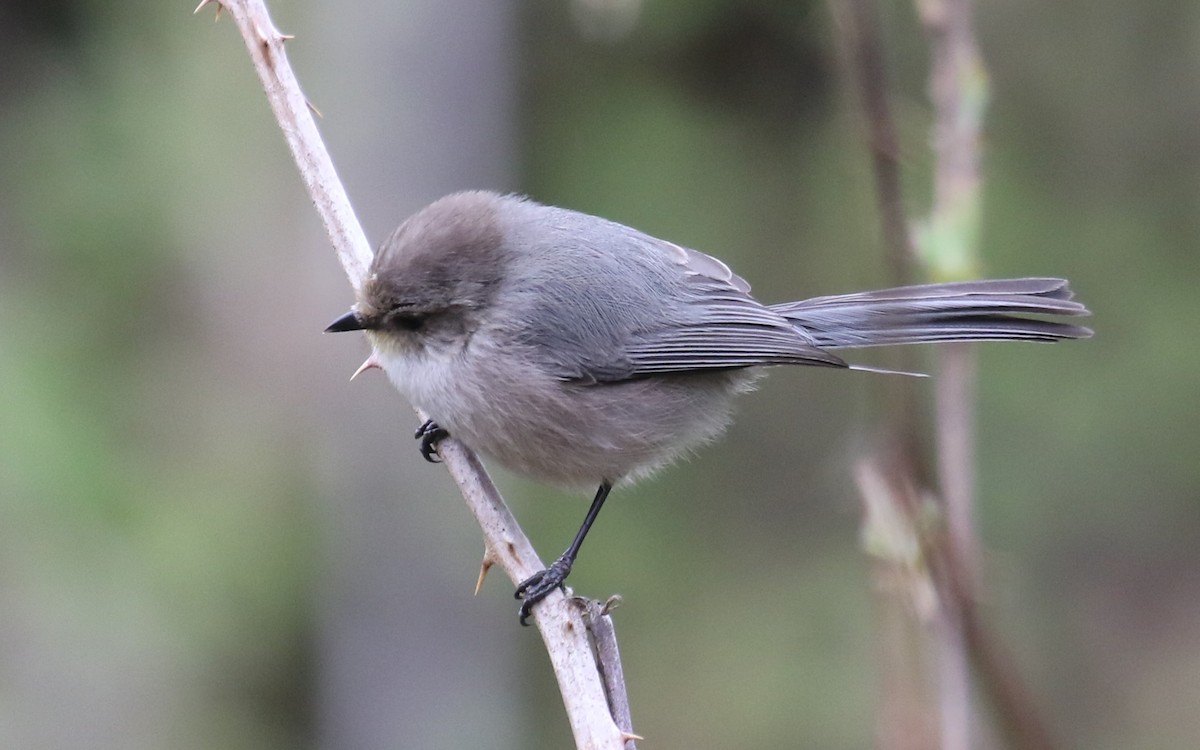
x,y
408,321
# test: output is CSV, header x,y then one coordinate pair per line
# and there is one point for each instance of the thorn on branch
x,y
263,40
266,37
610,604
484,567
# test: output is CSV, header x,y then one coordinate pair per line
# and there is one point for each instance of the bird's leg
x,y
539,585
429,434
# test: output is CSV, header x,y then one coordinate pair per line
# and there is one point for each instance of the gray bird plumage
x,y
577,350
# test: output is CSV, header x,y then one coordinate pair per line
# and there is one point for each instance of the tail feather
x,y
958,311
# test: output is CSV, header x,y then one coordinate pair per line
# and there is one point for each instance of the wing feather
x,y
719,327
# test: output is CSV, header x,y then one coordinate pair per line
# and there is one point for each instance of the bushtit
x,y
577,350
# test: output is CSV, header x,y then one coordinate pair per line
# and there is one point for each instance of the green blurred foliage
x,y
152,528
161,485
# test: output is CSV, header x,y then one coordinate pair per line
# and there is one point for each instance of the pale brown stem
x,y
562,626
956,184
949,559
608,656
889,480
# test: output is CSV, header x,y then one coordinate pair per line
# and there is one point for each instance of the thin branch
x,y
861,29
890,481
866,51
949,249
608,656
291,108
994,667
562,627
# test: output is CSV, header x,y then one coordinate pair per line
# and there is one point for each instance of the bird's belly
x,y
565,432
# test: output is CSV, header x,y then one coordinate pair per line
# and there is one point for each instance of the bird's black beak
x,y
348,322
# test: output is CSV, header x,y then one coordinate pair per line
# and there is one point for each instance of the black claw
x,y
539,585
429,434
524,612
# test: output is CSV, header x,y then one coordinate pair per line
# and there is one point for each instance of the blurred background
x,y
208,538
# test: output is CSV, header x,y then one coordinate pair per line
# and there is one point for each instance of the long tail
x,y
958,311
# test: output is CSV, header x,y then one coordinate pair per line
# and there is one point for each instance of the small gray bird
x,y
577,350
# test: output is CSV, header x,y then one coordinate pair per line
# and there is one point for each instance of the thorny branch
x,y
563,629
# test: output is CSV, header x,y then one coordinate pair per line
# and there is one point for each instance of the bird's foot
x,y
429,434
539,585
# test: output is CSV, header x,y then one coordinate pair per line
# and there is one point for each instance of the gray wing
x,y
722,326
718,326
588,313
